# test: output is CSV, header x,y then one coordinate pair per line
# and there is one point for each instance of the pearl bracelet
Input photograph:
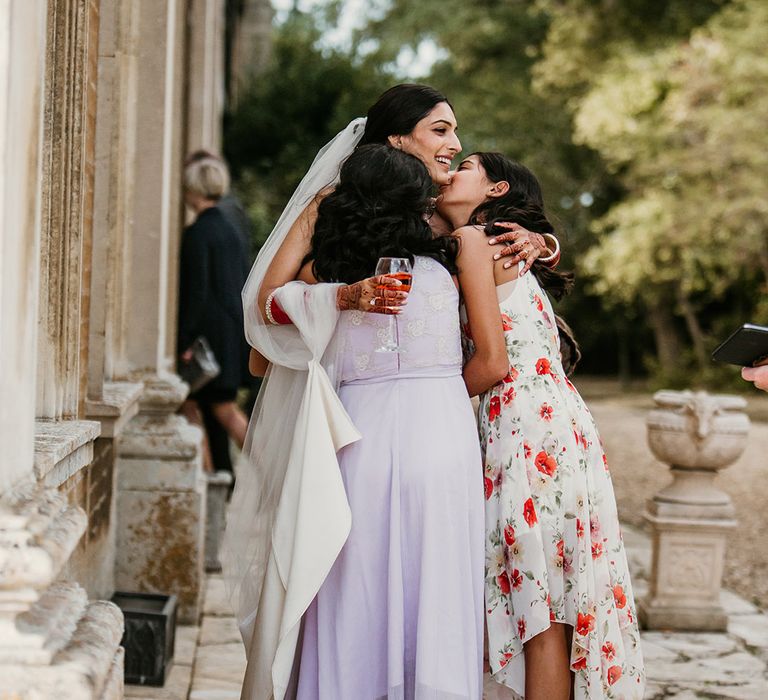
x,y
268,309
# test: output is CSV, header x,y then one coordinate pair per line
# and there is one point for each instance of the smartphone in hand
x,y
746,347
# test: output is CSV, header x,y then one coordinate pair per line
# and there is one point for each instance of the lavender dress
x,y
400,615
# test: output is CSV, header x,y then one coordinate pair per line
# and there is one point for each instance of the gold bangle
x,y
552,256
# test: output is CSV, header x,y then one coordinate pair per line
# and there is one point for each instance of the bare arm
x,y
257,363
286,264
490,363
363,295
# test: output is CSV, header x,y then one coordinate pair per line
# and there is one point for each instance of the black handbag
x,y
202,368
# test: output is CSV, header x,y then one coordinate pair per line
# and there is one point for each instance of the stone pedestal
x,y
219,484
53,643
696,434
161,501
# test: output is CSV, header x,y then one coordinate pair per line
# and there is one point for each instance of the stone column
x,y
20,103
155,212
161,490
113,195
69,120
111,400
161,501
696,434
205,92
52,642
250,43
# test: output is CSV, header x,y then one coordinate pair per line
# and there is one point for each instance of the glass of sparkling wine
x,y
399,269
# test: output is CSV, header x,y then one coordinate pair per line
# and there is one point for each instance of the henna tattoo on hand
x,y
348,296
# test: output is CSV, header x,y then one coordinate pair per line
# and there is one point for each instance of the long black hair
x,y
522,204
376,210
398,110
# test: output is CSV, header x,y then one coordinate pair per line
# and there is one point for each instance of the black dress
x,y
212,273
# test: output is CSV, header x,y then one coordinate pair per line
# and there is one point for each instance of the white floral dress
x,y
554,550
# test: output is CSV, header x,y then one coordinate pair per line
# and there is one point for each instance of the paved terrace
x,y
210,661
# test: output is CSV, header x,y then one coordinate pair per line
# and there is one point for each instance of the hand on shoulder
x,y
473,240
476,255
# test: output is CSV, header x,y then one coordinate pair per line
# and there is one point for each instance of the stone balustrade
x,y
53,642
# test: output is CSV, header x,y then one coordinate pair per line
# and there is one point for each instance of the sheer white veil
x,y
276,342
293,350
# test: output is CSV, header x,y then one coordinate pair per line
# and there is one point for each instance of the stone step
x,y
88,667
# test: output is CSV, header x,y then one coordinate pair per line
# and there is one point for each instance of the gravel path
x,y
637,476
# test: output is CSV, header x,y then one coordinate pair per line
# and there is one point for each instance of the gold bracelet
x,y
551,257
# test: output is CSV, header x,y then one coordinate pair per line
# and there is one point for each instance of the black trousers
x,y
218,440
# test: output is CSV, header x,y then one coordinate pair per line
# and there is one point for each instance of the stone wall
x,y
93,489
99,99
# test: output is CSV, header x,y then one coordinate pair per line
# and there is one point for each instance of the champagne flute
x,y
399,269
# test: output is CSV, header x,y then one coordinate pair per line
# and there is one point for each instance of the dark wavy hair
x,y
398,110
376,210
522,204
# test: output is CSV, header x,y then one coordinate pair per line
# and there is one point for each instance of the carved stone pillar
x,y
115,152
696,434
161,490
205,89
53,643
219,486
22,60
69,119
156,206
250,45
161,501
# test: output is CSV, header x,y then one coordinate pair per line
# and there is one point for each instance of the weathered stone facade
x,y
101,485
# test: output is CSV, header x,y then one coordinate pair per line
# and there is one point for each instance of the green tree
x,y
642,118
307,94
681,126
490,52
490,49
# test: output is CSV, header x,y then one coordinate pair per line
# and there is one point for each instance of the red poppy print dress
x,y
554,551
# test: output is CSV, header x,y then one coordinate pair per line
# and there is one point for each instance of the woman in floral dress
x,y
559,608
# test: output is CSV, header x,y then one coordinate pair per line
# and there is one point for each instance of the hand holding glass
x,y
399,269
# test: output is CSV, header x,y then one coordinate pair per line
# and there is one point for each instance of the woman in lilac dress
x,y
399,616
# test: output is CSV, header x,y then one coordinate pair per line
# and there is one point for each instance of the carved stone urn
x,y
696,434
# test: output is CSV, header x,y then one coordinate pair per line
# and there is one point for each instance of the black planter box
x,y
150,630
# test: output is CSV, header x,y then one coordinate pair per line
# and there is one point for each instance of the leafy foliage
x,y
645,120
306,96
681,127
